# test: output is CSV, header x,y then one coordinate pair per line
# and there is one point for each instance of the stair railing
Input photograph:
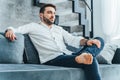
x,y
82,16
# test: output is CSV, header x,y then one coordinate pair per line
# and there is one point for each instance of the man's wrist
x,y
86,41
83,42
7,30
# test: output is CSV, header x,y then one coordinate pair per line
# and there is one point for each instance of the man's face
x,y
48,17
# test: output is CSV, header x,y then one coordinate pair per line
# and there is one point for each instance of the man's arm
x,y
24,29
76,41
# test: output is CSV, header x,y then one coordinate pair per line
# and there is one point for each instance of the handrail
x,y
91,10
92,30
87,5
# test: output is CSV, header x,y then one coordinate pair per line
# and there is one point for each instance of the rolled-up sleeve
x,y
71,40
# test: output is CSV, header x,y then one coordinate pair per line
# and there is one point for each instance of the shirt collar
x,y
46,25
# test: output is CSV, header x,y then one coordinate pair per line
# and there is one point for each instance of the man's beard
x,y
47,21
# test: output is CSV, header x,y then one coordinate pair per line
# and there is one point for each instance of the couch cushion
x,y
108,52
31,53
11,51
39,72
102,60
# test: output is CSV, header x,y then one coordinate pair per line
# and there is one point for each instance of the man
x,y
50,39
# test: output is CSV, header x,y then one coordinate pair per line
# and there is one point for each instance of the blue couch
x,y
28,67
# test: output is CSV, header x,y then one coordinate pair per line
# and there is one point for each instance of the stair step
x,y
72,26
71,29
60,4
70,23
64,11
64,5
67,16
51,1
77,33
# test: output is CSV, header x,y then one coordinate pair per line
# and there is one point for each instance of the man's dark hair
x,y
46,5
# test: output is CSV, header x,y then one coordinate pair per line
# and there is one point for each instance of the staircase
x,y
71,15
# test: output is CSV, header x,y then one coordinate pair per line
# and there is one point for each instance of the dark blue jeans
x,y
91,71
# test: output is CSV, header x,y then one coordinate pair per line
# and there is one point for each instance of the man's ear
x,y
41,15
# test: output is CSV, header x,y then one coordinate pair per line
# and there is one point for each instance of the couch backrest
x,y
116,58
30,53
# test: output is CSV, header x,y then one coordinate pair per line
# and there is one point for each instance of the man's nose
x,y
53,16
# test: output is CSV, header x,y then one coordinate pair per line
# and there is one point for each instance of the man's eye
x,y
49,12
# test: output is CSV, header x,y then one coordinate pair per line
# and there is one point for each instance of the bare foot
x,y
84,58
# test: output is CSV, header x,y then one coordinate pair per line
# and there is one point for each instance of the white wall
x,y
97,17
98,31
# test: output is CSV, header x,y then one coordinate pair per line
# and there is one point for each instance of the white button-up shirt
x,y
49,42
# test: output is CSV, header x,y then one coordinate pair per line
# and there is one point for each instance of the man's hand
x,y
94,41
10,35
